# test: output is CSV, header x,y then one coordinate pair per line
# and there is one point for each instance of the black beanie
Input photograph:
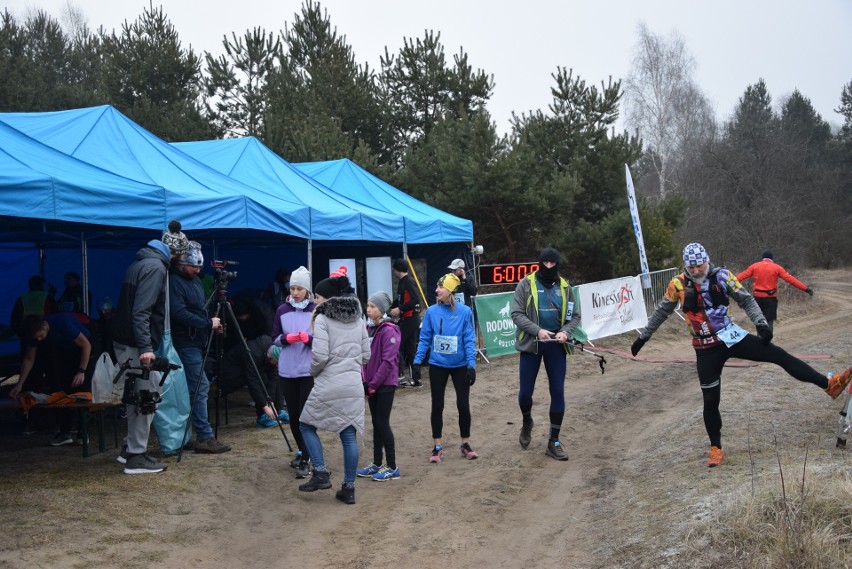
x,y
549,254
327,288
768,254
332,286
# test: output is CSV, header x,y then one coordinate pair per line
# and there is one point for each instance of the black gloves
x,y
637,345
765,333
471,375
810,291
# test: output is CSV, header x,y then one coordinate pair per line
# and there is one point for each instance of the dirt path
x,y
634,486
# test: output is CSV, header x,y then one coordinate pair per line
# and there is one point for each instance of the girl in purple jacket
x,y
380,383
291,329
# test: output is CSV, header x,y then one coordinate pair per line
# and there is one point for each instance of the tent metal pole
x,y
84,253
311,256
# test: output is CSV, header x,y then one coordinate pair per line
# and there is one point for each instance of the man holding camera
x,y
137,329
191,327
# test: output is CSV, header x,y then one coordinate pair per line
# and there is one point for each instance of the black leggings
x,y
438,377
296,391
711,361
380,410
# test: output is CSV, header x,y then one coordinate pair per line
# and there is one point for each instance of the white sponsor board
x,y
612,307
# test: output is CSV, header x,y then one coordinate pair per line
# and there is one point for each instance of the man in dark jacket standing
x,y
191,327
137,333
406,312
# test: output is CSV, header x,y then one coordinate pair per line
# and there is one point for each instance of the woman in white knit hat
x,y
291,330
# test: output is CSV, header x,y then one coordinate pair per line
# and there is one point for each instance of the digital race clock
x,y
506,273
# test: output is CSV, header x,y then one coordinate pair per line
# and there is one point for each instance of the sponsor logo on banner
x,y
494,312
614,307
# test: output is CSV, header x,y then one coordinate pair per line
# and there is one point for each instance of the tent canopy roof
x,y
423,223
103,137
333,217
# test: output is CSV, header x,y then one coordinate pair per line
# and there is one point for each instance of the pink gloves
x,y
300,337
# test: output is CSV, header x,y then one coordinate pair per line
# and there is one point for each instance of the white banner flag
x,y
637,229
612,307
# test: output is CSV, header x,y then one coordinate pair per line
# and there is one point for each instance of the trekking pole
x,y
601,359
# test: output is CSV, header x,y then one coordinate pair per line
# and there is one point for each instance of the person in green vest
x,y
544,311
36,301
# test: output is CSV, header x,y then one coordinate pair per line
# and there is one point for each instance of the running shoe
x,y
837,383
296,459
61,439
264,421
368,471
468,452
717,456
386,474
555,450
437,454
526,434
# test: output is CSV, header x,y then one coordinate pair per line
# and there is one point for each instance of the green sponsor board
x,y
494,312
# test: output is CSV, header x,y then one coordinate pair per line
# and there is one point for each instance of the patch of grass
x,y
805,522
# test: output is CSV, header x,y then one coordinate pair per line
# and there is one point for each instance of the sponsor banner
x,y
494,312
637,228
612,307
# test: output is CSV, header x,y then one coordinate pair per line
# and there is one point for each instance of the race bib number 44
x,y
445,344
731,334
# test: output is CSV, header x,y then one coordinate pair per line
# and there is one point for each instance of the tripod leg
x,y
235,324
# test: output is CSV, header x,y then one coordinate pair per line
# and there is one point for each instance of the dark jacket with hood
x,y
190,323
141,311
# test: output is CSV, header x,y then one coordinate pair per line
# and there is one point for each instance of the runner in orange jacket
x,y
766,274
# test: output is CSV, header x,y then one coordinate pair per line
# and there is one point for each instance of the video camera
x,y
221,273
145,400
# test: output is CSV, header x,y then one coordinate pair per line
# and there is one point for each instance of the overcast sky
x,y
790,43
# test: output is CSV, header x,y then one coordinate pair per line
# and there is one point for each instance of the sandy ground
x,y
634,488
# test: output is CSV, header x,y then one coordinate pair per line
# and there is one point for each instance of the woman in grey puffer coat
x,y
336,403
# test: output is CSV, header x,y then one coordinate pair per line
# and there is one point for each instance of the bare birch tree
x,y
664,104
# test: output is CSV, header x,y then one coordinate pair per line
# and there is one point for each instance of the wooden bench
x,y
85,408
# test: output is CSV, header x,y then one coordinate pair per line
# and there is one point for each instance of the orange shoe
x,y
717,455
837,383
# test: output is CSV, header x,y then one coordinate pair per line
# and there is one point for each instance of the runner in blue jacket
x,y
447,334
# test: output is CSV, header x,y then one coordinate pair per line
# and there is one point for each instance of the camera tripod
x,y
225,313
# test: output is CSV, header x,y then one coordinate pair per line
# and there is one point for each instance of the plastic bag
x,y
103,389
172,415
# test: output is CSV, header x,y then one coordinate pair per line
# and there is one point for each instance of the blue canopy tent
x,y
423,223
103,137
333,217
430,233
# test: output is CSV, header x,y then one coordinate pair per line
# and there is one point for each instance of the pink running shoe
x,y
437,454
468,452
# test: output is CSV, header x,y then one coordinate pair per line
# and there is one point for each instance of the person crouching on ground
x,y
380,383
704,291
336,403
447,334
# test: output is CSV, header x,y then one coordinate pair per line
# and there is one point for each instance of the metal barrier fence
x,y
659,281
